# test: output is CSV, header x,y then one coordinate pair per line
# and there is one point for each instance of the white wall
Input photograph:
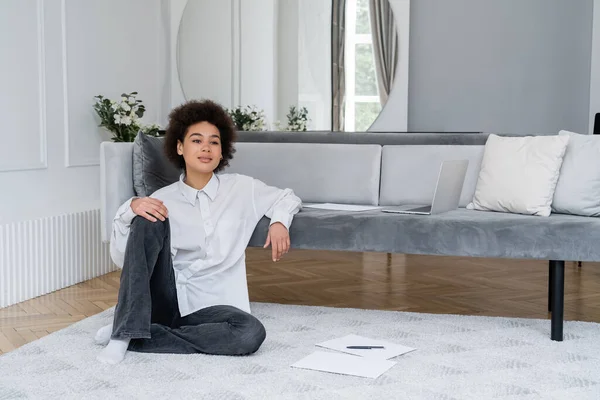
x,y
56,55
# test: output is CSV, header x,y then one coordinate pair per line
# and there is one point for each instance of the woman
x,y
182,250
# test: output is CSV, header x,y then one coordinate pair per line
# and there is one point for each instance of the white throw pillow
x,y
519,174
578,188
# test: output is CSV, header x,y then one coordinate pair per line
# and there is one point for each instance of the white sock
x,y
103,335
114,352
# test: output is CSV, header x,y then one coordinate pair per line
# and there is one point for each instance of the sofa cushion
x,y
455,233
578,188
409,172
151,168
317,172
519,174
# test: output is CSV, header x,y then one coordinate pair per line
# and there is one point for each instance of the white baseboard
x,y
40,256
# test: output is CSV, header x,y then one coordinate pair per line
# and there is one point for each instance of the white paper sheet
x,y
391,349
341,207
344,364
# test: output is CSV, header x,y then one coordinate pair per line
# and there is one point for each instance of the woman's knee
x,y
141,224
253,334
144,223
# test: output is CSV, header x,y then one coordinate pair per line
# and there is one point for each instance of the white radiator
x,y
44,255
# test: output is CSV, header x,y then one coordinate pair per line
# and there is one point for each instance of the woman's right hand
x,y
149,208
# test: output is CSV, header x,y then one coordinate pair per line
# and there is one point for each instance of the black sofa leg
x,y
550,285
557,298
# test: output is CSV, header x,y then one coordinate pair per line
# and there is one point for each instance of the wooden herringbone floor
x,y
511,288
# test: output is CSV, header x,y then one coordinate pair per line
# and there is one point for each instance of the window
x,y
362,98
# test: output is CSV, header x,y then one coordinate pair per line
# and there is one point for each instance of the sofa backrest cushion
x,y
578,188
317,172
151,168
409,173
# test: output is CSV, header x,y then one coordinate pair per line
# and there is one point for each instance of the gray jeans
x,y
147,311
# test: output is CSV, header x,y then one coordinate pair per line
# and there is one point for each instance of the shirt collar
x,y
190,193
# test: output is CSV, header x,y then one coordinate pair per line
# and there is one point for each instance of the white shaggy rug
x,y
457,357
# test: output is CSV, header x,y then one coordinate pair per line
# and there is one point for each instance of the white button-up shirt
x,y
210,229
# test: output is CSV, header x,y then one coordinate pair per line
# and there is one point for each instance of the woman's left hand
x,y
279,239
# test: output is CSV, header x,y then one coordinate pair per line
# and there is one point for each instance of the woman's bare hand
x,y
279,239
149,208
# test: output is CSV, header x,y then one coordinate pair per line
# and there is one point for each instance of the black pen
x,y
365,347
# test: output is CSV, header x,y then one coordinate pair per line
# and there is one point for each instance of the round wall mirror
x,y
305,64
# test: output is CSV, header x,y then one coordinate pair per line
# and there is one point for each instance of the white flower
x,y
117,119
126,121
125,107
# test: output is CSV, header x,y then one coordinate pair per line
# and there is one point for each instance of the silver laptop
x,y
447,191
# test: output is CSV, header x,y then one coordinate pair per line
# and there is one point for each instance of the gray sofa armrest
x,y
116,182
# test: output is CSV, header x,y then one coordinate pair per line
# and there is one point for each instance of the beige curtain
x,y
338,77
385,45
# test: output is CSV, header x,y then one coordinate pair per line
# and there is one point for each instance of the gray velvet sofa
x,y
360,169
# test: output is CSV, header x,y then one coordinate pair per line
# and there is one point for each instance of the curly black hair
x,y
193,112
